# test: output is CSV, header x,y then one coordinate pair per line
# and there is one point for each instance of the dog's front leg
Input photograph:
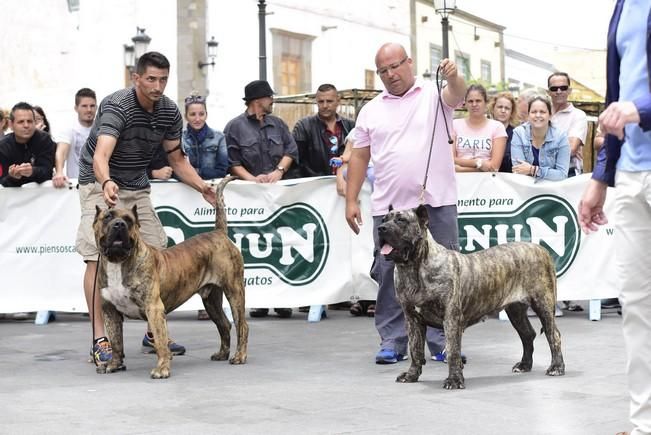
x,y
113,320
453,331
416,334
158,325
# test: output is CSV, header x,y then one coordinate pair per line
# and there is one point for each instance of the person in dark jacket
x,y
321,137
204,146
27,154
260,146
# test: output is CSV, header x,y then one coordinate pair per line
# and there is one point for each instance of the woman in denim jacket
x,y
538,149
205,147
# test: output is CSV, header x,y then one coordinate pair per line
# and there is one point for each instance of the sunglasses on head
x,y
192,99
559,88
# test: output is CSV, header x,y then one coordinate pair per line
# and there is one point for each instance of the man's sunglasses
x,y
559,88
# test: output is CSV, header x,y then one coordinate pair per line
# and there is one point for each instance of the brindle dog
x,y
449,290
139,281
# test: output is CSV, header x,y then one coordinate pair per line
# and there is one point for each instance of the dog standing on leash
x,y
444,288
139,281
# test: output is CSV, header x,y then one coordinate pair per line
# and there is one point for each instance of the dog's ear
x,y
134,210
423,217
97,212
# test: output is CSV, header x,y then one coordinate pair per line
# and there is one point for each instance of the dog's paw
x,y
238,358
521,367
406,377
160,373
454,383
114,367
220,356
555,370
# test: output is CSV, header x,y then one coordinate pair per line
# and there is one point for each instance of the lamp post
x,y
212,53
133,52
263,39
445,8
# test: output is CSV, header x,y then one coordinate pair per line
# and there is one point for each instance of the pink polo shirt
x,y
399,131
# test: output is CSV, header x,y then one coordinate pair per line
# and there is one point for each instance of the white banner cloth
x,y
297,246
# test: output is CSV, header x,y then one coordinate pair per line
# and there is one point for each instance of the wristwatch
x,y
478,163
281,169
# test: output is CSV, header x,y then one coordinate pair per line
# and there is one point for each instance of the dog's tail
x,y
220,212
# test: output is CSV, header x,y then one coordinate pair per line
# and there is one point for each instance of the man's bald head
x,y
394,68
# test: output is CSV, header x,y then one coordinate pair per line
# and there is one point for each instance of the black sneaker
x,y
258,312
283,313
148,345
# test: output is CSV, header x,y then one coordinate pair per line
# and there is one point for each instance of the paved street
x,y
309,378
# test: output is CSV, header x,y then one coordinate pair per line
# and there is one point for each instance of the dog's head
x,y
401,233
116,232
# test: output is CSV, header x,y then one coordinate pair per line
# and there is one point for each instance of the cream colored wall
x,y
461,38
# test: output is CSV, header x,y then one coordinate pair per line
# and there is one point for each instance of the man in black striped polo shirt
x,y
129,126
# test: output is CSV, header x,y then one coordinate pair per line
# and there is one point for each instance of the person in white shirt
x,y
71,140
568,119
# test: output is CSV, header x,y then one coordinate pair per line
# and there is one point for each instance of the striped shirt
x,y
138,134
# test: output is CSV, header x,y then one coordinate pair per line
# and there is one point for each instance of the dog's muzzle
x,y
392,247
117,245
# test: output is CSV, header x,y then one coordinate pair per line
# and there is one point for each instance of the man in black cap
x,y
261,148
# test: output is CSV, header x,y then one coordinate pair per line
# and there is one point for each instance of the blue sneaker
x,y
389,356
148,345
102,351
442,357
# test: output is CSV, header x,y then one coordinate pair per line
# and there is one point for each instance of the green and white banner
x,y
297,247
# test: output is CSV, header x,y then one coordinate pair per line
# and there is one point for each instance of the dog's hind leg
x,y
235,295
517,313
213,303
548,321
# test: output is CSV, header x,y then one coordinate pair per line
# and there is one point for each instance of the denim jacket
x,y
554,156
209,158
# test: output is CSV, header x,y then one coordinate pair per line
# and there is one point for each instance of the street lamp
x,y
133,52
262,29
212,53
445,8
514,89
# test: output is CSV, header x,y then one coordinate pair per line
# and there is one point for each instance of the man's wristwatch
x,y
281,169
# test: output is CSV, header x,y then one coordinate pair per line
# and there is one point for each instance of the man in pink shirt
x,y
395,130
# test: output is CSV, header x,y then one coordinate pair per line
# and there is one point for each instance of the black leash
x,y
92,320
439,88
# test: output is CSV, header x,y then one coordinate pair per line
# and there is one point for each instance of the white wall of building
x,y
462,38
339,55
528,73
49,53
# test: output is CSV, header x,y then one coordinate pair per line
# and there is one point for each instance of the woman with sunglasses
x,y
478,142
539,150
205,147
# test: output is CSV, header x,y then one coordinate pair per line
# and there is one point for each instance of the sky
x,y
547,23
